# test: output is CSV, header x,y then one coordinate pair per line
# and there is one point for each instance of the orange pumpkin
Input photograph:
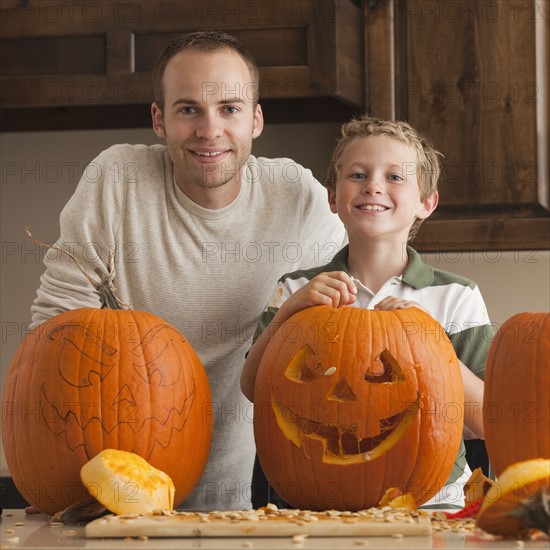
x,y
350,402
92,379
517,391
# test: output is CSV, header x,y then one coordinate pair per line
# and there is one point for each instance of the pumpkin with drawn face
x,y
93,379
350,402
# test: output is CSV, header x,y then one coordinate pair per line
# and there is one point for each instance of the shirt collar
x,y
417,274
340,261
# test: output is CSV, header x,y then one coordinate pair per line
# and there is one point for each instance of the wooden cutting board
x,y
264,522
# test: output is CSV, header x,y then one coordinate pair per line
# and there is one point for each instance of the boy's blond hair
x,y
428,167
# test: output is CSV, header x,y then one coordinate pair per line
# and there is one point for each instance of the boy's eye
x,y
358,176
395,177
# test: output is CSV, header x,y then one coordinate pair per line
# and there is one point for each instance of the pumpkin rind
x,y
91,379
319,374
517,391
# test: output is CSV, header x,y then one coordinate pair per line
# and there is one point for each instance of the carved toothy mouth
x,y
341,443
74,421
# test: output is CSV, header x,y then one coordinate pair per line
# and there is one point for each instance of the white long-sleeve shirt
x,y
209,273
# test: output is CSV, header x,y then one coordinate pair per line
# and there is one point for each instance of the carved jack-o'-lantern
x,y
350,402
91,379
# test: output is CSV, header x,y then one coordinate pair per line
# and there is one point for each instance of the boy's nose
x,y
372,185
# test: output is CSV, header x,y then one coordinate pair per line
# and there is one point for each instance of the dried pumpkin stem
x,y
105,288
535,511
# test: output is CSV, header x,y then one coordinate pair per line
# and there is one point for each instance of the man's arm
x,y
86,231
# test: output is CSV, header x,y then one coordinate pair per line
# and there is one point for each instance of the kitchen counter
x,y
18,530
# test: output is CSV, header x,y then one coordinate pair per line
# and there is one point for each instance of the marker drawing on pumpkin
x,y
96,386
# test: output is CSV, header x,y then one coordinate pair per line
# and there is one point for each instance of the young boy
x,y
382,183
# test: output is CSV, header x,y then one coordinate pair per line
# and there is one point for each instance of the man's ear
x,y
258,122
332,200
158,121
427,206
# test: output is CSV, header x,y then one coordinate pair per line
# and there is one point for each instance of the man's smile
x,y
209,155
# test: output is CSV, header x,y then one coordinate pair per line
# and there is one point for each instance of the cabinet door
x,y
473,77
88,64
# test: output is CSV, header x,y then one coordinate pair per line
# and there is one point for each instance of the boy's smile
x,y
377,191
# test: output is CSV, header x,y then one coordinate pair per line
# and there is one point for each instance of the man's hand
x,y
32,510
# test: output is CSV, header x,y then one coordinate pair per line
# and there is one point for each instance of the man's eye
x,y
231,110
188,110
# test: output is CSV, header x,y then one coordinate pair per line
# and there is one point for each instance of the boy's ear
x,y
427,206
332,200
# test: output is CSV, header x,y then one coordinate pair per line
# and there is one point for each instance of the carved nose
x,y
341,391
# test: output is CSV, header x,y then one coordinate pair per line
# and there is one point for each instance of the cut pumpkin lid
x,y
125,483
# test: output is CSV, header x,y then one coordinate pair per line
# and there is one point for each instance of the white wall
x,y
39,171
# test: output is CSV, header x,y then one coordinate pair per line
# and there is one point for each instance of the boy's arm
x,y
473,394
254,356
333,288
474,355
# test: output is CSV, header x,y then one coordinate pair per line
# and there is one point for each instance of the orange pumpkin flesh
x,y
395,499
517,391
519,501
126,483
91,379
350,402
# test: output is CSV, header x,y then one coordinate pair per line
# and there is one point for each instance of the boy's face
x,y
377,192
209,118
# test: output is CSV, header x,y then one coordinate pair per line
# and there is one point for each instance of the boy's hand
x,y
391,302
334,288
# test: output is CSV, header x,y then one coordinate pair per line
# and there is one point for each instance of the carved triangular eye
x,y
342,391
304,366
389,374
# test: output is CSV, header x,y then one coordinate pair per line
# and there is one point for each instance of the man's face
x,y
209,120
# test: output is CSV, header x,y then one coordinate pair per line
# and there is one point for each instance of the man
x,y
202,231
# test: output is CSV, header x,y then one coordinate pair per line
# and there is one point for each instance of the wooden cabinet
x,y
87,64
470,74
473,76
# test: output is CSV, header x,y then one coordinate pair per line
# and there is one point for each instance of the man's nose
x,y
210,126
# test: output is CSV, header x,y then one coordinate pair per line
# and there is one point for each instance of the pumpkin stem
x,y
105,288
81,512
535,511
